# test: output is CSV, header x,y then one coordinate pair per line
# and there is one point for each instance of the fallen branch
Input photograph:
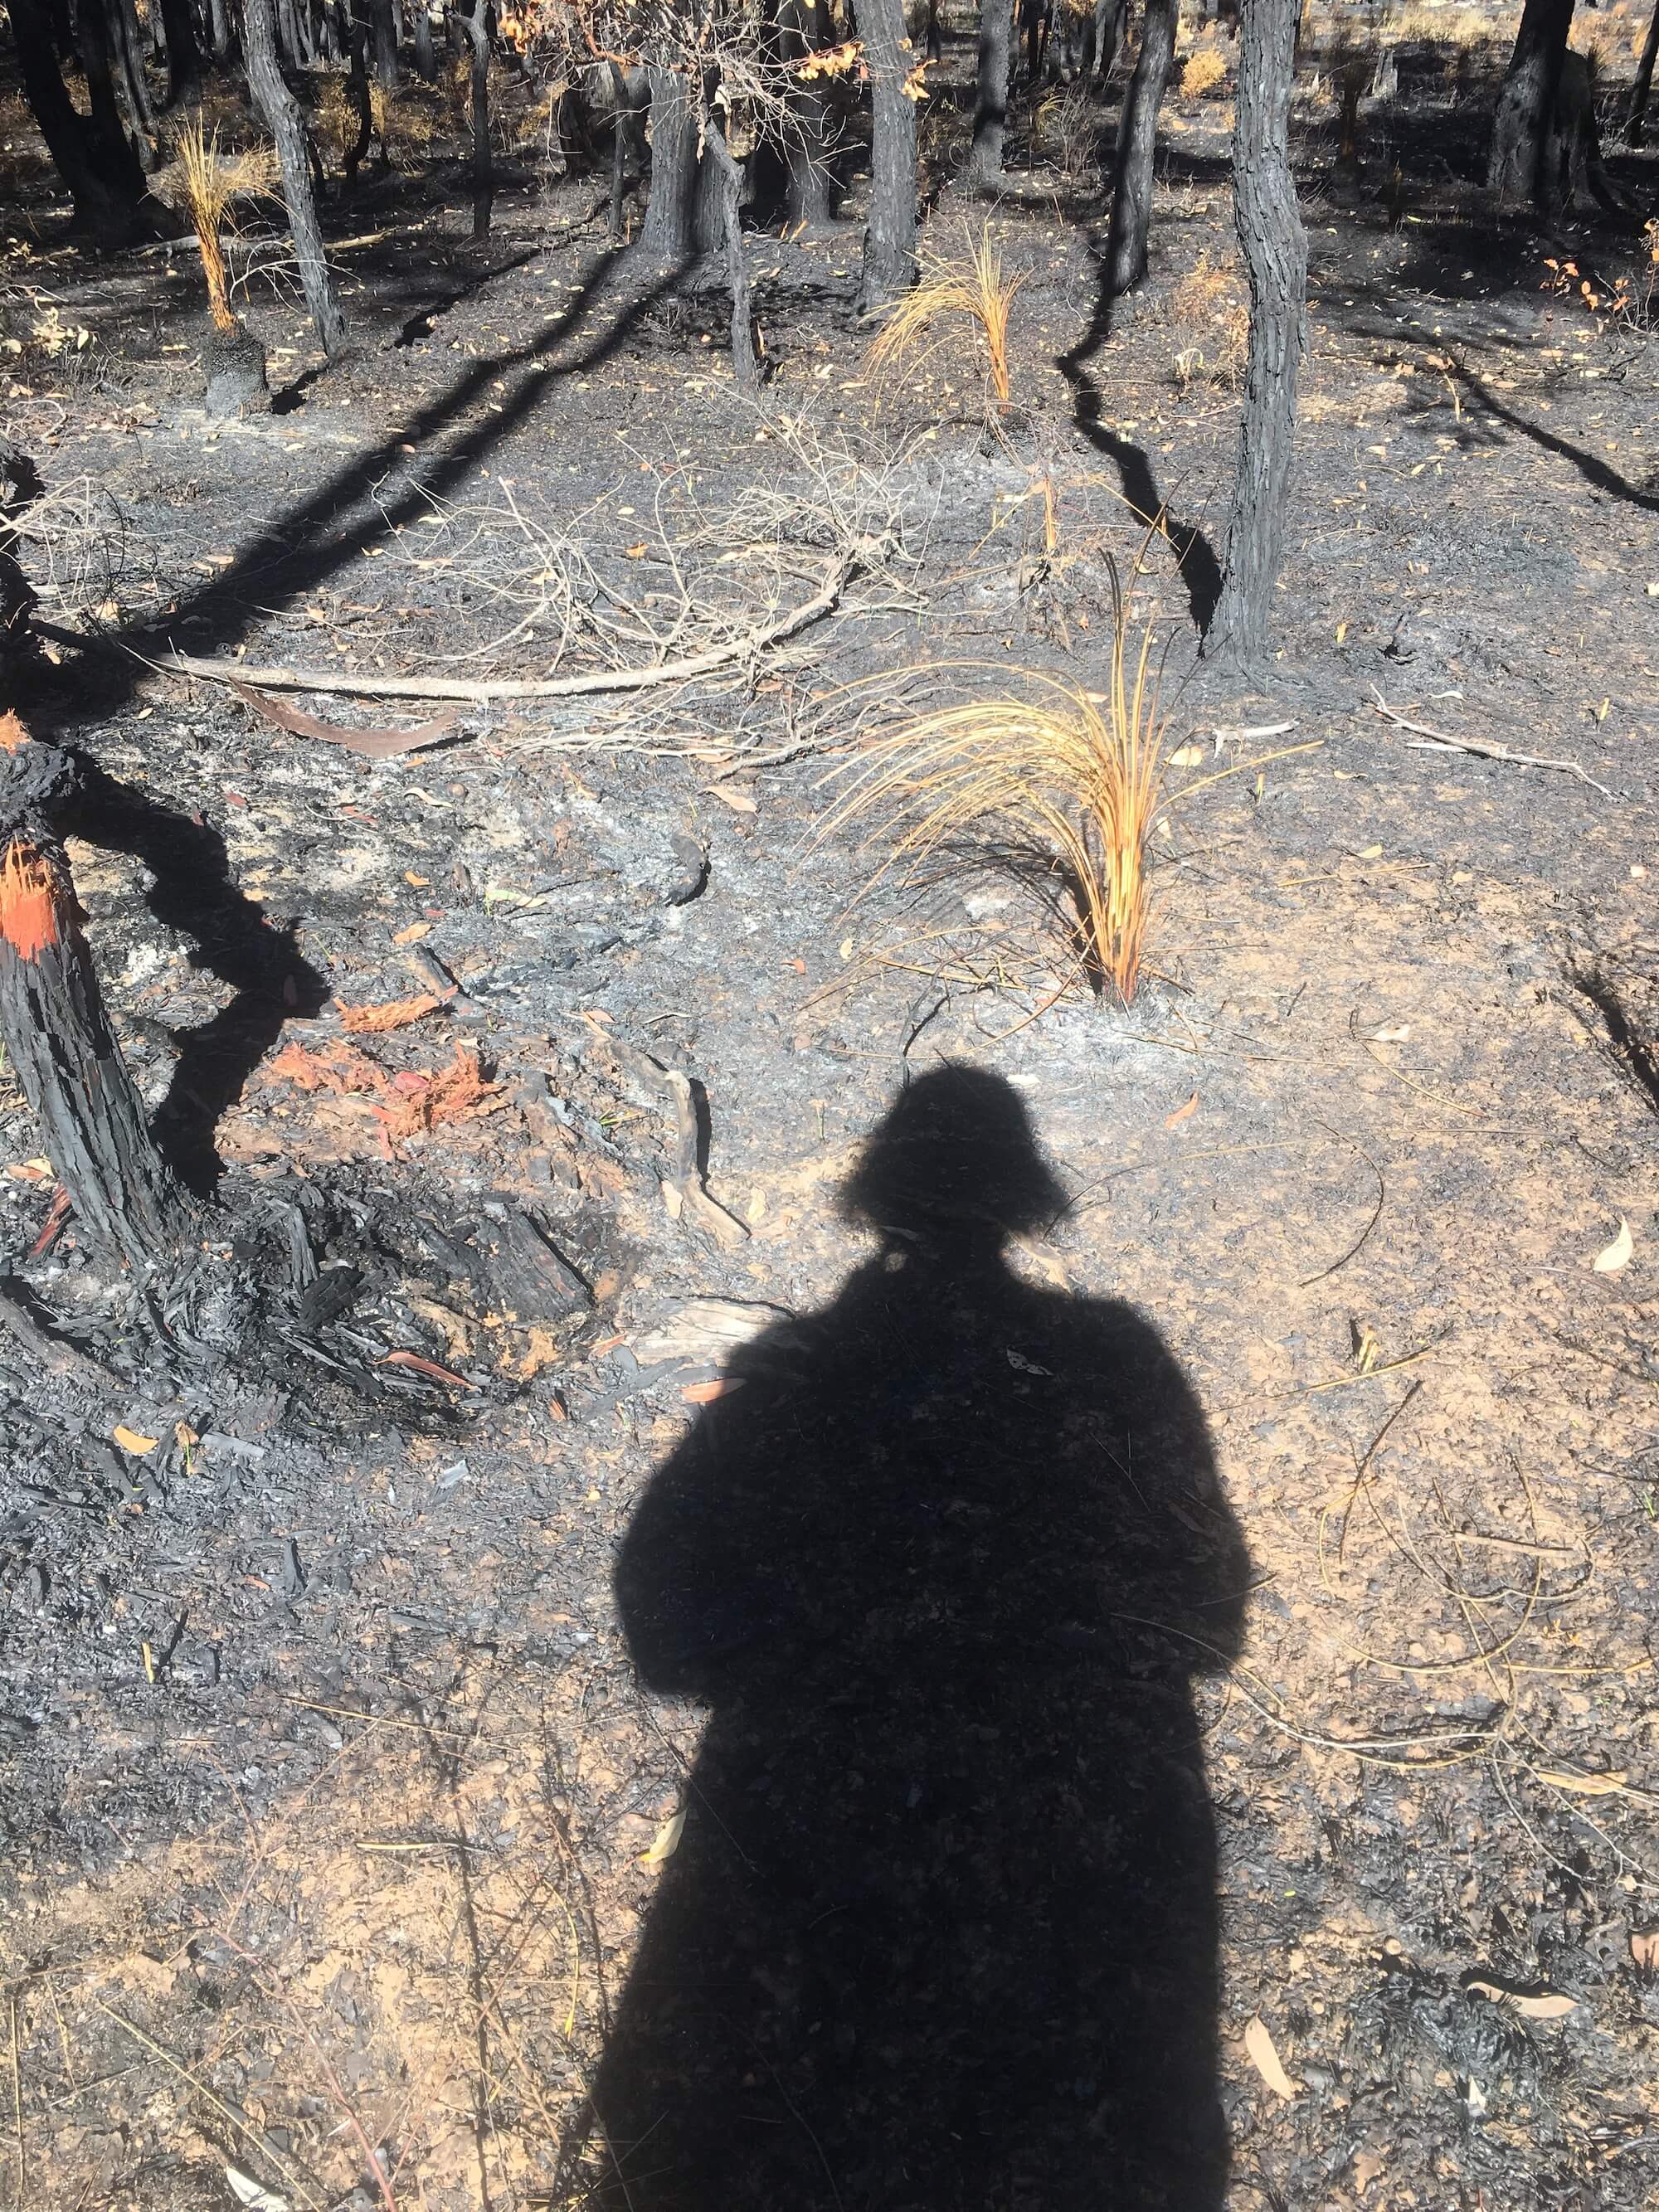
x,y
483,690
1436,741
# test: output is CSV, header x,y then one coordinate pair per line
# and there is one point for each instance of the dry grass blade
x,y
1062,779
974,290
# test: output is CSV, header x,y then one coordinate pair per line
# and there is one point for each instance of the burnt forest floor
x,y
330,1785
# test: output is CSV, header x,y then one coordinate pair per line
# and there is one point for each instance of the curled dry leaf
x,y
1182,1112
1258,2048
130,1441
1531,2004
1645,1950
1617,1254
665,1842
427,1367
704,1394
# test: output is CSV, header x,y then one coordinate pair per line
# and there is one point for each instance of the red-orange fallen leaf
x,y
704,1394
427,1367
374,744
338,1068
392,1014
1182,1112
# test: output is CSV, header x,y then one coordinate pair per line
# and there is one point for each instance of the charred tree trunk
x,y
383,38
806,144
351,161
19,487
890,241
94,23
745,361
1636,114
1275,250
420,30
184,54
223,35
65,1058
670,212
991,94
101,173
1517,165
1137,142
127,42
483,173
281,116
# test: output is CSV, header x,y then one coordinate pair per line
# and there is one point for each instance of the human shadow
x,y
942,1562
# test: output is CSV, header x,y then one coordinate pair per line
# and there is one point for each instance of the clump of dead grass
x,y
1061,782
1207,312
1204,69
973,291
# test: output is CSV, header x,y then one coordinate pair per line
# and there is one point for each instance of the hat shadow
x,y
941,1928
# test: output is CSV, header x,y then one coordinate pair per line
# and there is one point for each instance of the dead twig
x,y
484,691
1436,741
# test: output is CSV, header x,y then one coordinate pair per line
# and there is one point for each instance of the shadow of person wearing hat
x,y
941,1932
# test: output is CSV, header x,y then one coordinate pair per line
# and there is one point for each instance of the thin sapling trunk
x,y
1137,143
1275,250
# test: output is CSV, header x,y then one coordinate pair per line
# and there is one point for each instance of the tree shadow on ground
x,y
191,889
1195,557
942,1562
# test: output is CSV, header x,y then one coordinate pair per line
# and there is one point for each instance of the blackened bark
x,y
483,174
223,33
184,54
991,94
670,231
65,1058
127,45
1517,165
19,487
1105,35
807,139
745,361
97,29
357,91
1635,114
420,27
101,173
1137,142
383,34
889,241
281,116
1276,252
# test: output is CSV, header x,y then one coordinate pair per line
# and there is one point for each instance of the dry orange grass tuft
x,y
1062,778
1207,311
203,178
974,290
1205,69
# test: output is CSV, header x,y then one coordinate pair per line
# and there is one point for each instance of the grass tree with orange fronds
x,y
972,293
202,180
1066,779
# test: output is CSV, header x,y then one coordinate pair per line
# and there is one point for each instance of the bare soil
x,y
340,1787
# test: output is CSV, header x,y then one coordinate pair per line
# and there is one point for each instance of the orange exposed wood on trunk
x,y
13,735
28,900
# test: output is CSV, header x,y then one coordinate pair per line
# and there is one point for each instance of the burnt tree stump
x,y
67,1062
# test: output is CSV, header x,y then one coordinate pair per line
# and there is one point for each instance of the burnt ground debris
x,y
331,1776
